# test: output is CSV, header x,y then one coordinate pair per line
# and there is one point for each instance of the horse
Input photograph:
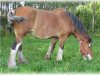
x,y
57,25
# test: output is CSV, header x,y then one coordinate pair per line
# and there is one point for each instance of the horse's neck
x,y
80,37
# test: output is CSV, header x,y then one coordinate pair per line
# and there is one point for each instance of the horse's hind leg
x,y
15,48
51,48
61,47
20,55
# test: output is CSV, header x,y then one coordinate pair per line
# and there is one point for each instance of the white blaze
x,y
89,57
89,44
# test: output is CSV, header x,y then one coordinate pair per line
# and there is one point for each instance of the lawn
x,y
34,50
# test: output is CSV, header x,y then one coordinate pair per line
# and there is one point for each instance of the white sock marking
x,y
48,54
60,53
20,55
49,50
12,61
12,58
17,46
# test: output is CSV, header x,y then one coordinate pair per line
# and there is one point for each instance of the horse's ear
x,y
13,18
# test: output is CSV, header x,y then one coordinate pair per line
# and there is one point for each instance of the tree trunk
x,y
93,18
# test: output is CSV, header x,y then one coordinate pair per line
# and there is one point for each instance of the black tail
x,y
79,26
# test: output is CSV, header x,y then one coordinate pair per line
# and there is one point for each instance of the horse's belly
x,y
43,34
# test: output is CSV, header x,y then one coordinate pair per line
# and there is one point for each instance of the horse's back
x,y
59,10
23,11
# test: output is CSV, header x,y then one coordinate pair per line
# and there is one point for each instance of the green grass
x,y
35,49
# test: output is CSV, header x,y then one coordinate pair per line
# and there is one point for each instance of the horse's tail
x,y
78,25
12,18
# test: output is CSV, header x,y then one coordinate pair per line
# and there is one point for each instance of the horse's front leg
x,y
62,40
51,48
14,49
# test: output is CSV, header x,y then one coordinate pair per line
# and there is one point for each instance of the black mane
x,y
79,26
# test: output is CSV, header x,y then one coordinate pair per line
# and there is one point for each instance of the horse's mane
x,y
79,26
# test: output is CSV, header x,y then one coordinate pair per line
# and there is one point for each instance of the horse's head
x,y
86,49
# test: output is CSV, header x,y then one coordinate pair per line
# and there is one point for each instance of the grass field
x,y
34,51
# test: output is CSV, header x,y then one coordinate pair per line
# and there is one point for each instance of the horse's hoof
x,y
23,62
88,57
12,64
47,56
58,59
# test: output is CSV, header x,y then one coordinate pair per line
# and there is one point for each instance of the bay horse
x,y
56,25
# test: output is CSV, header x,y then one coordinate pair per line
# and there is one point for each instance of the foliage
x,y
85,13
